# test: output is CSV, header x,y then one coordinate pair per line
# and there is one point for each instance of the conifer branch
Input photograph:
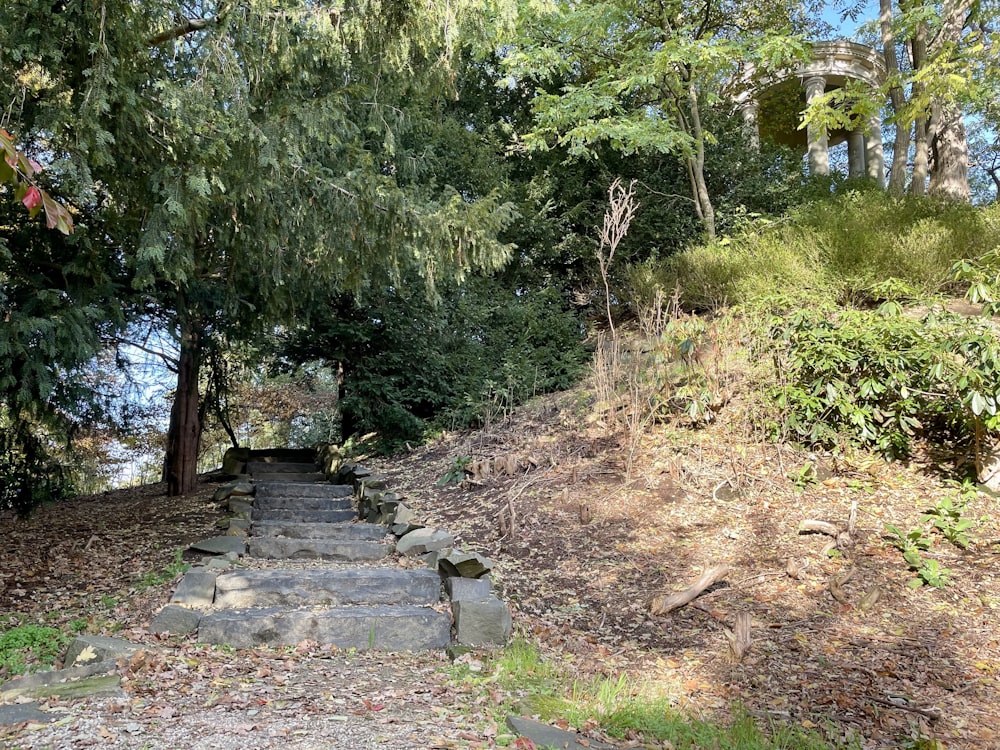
x,y
188,26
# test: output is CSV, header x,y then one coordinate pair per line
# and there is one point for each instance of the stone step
x,y
281,467
304,477
333,531
298,455
303,516
296,588
280,548
383,627
281,488
281,502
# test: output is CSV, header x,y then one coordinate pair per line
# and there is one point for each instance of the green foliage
x,y
620,706
29,646
911,544
409,364
169,573
456,472
946,516
879,379
836,249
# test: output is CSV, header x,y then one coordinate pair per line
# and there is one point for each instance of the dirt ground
x,y
582,548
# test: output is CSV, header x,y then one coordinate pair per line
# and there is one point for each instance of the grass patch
x,y
29,647
519,680
166,575
837,250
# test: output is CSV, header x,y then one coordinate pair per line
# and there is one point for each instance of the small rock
x,y
464,564
467,589
220,545
482,623
196,588
240,507
421,541
175,619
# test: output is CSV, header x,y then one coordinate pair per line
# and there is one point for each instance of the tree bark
x,y
949,148
697,166
184,432
901,146
921,143
949,154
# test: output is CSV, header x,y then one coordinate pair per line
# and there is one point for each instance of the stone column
x,y
856,154
819,154
749,112
873,151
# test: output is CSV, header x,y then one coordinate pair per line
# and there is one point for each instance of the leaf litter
x,y
580,556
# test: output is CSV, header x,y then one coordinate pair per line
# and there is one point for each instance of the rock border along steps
x,y
350,598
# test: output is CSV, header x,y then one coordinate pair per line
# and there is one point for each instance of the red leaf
x,y
32,199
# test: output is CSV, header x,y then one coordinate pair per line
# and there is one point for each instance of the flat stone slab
x,y
266,588
544,736
285,502
220,545
280,548
281,467
20,713
175,619
87,649
421,541
334,531
297,489
97,678
196,589
386,628
290,478
304,516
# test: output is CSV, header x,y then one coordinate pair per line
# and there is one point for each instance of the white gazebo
x,y
772,106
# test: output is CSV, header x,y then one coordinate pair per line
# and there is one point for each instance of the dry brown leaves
x,y
587,555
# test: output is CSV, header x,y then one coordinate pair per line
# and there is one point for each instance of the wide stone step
x,y
298,489
295,455
304,477
383,627
280,548
333,531
303,516
271,502
295,588
281,467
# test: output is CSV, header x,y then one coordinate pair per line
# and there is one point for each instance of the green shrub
x,y
835,249
878,378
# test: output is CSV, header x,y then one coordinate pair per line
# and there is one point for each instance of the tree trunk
x,y
949,154
184,432
921,143
697,167
901,146
949,149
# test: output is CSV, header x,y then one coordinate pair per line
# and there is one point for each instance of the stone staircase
x,y
314,571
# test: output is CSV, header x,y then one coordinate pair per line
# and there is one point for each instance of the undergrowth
x,y
520,680
29,647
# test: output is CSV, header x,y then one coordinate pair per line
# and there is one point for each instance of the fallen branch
x,y
823,527
739,637
933,713
837,585
663,604
841,539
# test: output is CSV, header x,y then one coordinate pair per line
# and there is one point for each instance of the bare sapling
x,y
622,206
